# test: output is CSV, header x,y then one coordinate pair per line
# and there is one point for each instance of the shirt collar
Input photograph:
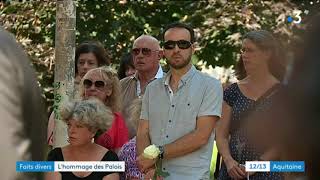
x,y
184,78
159,73
157,76
167,78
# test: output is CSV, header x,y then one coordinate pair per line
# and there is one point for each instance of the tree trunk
x,y
64,64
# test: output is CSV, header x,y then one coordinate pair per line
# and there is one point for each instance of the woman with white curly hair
x,y
84,118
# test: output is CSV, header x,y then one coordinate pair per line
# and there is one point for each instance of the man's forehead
x,y
146,41
178,33
142,41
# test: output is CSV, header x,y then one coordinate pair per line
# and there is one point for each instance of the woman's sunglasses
x,y
182,44
87,83
144,51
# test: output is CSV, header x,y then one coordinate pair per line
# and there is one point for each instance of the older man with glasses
x,y
146,54
179,113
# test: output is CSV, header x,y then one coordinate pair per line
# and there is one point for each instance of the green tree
x,y
219,26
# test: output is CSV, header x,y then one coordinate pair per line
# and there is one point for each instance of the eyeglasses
x,y
182,44
145,51
87,83
247,50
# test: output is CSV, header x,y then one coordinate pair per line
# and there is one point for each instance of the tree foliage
x,y
219,26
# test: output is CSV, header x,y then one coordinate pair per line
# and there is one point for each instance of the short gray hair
x,y
91,113
154,41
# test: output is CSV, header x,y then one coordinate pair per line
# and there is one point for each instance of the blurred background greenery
x,y
219,26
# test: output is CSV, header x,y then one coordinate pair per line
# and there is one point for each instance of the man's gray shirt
x,y
172,118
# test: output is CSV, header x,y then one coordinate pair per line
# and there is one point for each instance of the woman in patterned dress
x,y
294,116
259,72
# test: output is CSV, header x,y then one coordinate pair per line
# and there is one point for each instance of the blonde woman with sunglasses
x,y
103,83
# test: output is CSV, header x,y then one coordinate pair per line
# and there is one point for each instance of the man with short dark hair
x,y
179,112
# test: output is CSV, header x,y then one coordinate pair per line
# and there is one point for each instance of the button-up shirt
x,y
173,115
130,90
157,76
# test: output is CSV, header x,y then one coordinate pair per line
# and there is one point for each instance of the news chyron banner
x,y
70,166
275,166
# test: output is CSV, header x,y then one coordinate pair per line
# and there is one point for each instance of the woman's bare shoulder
x,y
101,149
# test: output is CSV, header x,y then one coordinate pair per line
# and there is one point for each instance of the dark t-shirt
x,y
56,155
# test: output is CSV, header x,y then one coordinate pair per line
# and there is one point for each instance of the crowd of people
x,y
116,116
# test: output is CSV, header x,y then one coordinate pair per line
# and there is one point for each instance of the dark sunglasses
x,y
87,83
145,51
182,44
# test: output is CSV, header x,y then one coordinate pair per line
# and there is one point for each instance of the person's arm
x,y
222,139
143,139
192,141
184,145
113,176
271,154
222,136
50,129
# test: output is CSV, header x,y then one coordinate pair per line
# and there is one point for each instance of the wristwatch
x,y
161,149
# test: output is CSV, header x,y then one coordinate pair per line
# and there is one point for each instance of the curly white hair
x,y
91,113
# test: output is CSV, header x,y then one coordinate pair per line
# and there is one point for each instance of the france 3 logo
x,y
296,18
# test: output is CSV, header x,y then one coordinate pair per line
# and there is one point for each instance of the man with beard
x,y
146,56
179,112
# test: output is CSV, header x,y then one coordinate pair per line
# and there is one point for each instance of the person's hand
x,y
149,175
235,170
145,164
251,173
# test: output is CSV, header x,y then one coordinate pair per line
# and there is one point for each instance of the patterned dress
x,y
128,154
240,149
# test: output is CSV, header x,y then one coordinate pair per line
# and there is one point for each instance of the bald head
x,y
153,43
147,54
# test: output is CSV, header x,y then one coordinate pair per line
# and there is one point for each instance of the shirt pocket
x,y
187,117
